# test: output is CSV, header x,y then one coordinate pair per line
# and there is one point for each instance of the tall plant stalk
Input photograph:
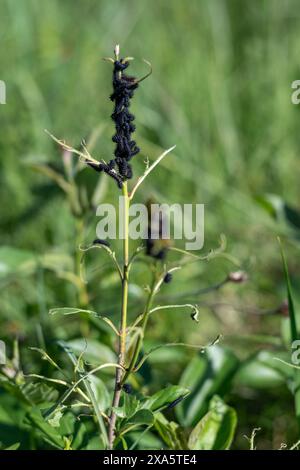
x,y
119,169
123,326
140,338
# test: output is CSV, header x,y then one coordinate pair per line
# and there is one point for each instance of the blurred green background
x,y
221,91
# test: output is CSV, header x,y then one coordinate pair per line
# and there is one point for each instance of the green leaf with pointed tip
x,y
215,431
166,397
131,405
80,436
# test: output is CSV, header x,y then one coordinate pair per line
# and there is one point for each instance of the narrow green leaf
x,y
131,405
140,418
166,397
294,331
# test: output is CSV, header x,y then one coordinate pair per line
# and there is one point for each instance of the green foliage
x,y
165,397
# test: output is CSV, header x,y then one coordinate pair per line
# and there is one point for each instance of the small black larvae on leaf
x,y
98,241
175,402
168,278
123,91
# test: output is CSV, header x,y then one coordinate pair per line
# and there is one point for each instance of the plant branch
x,y
144,321
141,179
154,289
168,345
123,328
108,250
194,309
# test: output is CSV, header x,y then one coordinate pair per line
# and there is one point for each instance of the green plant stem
x,y
83,295
122,337
139,341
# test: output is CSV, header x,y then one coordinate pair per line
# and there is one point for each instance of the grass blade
x,y
294,330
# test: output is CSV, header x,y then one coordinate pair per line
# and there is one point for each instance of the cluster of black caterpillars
x,y
119,167
124,86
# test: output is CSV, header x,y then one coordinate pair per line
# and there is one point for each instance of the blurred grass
x,y
220,91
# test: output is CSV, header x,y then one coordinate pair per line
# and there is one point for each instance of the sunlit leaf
x,y
165,398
